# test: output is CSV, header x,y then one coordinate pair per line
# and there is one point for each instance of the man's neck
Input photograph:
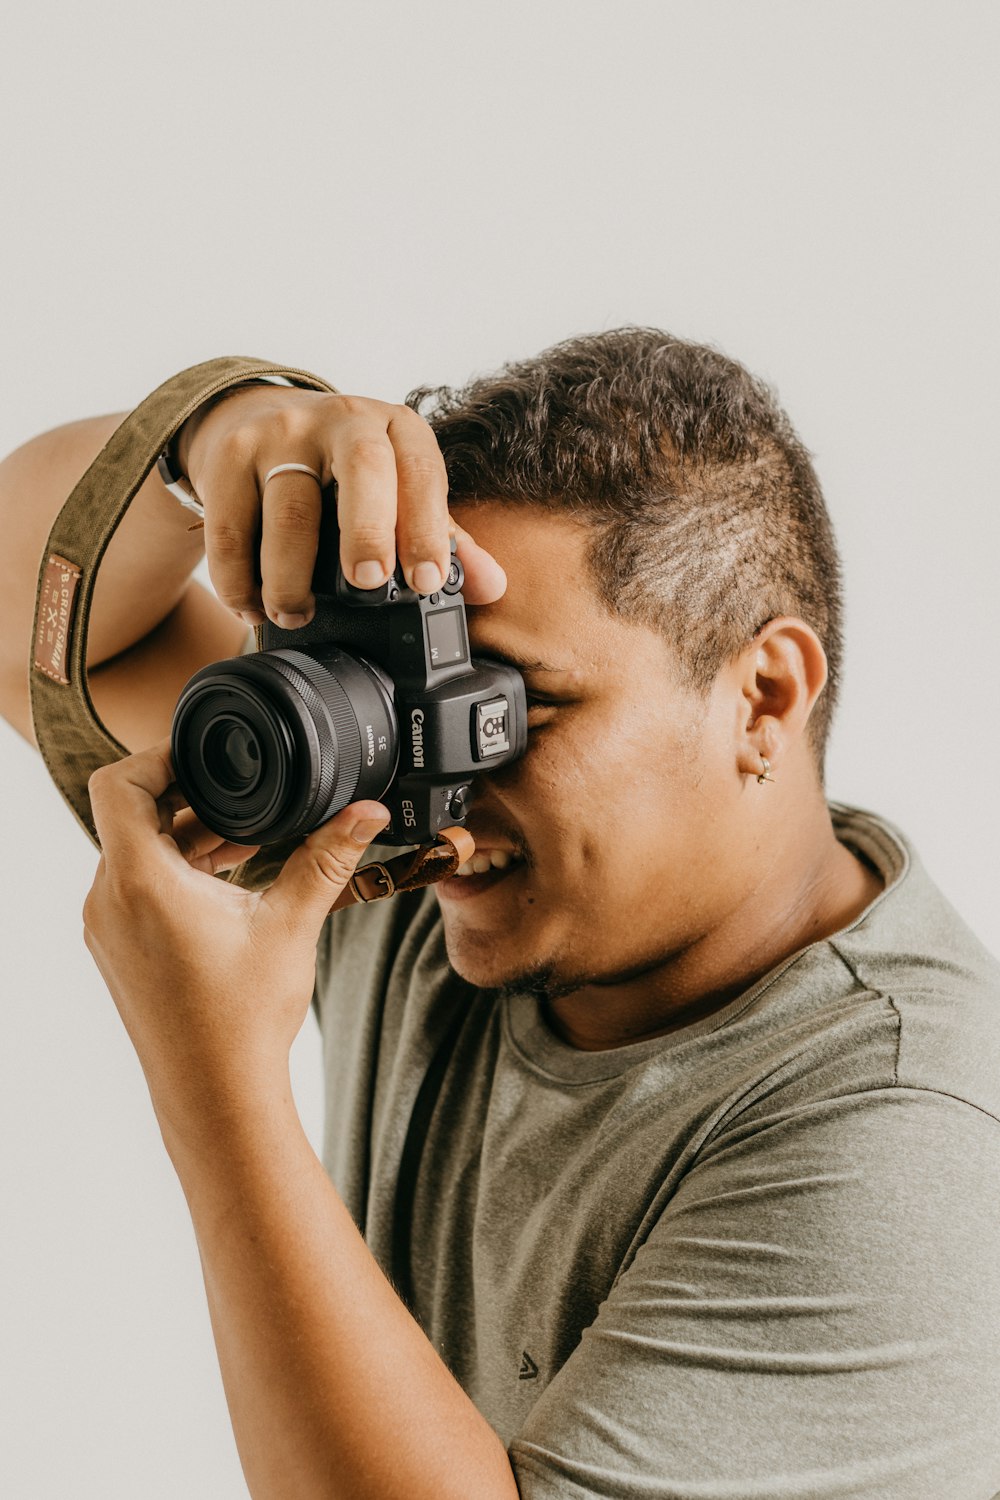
x,y
804,901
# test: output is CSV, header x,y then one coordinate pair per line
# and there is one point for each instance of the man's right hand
x,y
392,502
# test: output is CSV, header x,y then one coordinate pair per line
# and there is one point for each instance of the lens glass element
x,y
231,755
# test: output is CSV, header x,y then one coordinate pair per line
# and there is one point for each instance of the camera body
x,y
377,697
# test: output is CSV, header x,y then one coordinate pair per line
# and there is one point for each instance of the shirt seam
x,y
890,1000
859,979
923,1088
899,1038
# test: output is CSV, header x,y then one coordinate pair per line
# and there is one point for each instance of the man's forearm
x,y
144,571
333,1388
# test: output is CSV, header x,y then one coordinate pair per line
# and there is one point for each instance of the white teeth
x,y
496,859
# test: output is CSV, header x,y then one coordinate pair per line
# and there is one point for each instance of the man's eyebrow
x,y
515,659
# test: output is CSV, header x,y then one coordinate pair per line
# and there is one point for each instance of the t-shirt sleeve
x,y
816,1313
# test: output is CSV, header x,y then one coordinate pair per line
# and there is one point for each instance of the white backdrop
x,y
397,193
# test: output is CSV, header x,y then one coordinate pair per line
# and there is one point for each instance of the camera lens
x,y
232,754
270,745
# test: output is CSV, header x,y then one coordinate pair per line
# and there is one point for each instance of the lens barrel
x,y
270,745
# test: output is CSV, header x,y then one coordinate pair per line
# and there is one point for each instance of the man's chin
x,y
494,957
487,970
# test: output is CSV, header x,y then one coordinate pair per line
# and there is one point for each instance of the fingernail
x,y
427,577
368,829
290,622
368,575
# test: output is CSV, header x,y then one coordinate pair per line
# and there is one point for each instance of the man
x,y
673,1136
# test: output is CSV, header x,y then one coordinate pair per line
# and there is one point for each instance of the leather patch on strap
x,y
54,626
408,872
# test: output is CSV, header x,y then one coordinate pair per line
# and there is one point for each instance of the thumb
x,y
314,876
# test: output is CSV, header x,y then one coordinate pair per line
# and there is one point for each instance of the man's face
x,y
622,807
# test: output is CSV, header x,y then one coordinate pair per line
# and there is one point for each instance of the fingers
x,y
292,509
422,534
485,580
135,800
392,498
319,869
204,850
232,529
364,463
392,502
124,799
281,527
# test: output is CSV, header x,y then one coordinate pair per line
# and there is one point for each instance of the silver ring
x,y
291,468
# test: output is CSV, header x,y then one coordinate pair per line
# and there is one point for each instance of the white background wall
x,y
394,193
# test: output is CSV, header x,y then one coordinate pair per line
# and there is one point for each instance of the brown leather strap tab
x,y
408,872
71,737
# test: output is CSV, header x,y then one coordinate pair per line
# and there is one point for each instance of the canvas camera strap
x,y
73,741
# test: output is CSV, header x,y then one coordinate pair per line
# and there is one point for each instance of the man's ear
x,y
781,674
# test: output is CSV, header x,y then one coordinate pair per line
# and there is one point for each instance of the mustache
x,y
491,830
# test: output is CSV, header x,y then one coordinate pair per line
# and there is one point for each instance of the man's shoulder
x,y
912,950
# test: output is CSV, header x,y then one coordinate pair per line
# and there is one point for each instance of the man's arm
x,y
333,1388
151,628
140,599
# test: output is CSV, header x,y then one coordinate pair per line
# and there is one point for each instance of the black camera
x,y
378,696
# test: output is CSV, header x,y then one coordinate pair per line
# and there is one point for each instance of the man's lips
x,y
460,887
494,859
488,858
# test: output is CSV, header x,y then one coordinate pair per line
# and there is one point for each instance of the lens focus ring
x,y
340,755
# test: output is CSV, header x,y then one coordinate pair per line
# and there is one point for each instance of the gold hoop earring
x,y
765,775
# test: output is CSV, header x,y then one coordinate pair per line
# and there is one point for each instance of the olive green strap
x,y
72,739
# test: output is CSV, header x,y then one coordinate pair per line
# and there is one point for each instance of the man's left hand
x,y
213,982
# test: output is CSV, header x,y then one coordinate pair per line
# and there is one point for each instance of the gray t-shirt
x,y
755,1257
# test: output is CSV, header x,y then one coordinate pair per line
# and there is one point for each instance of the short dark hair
x,y
708,517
